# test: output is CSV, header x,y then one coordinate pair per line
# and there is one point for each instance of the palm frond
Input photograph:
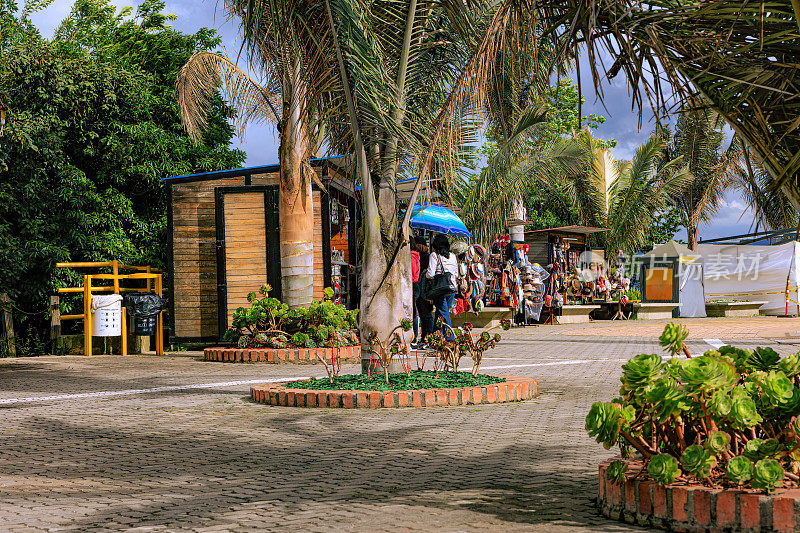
x,y
206,72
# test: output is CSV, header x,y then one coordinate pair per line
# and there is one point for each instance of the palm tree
x,y
286,43
774,207
698,140
620,195
739,56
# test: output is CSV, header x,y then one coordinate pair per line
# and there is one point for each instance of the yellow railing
x,y
154,283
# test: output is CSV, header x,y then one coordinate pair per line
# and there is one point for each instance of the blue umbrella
x,y
437,218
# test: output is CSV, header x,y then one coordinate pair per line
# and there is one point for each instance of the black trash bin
x,y
143,308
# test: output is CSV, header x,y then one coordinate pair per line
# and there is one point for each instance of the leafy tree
x,y
94,129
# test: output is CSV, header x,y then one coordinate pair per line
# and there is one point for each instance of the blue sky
x,y
260,142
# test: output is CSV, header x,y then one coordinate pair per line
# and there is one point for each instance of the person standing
x,y
424,307
415,291
442,260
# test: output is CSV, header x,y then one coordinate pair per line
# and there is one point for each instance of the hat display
x,y
459,247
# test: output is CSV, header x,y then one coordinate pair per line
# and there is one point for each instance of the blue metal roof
x,y
233,171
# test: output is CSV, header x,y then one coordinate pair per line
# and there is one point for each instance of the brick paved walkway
x,y
207,459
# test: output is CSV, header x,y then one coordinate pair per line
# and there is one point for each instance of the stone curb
x,y
514,389
696,508
285,355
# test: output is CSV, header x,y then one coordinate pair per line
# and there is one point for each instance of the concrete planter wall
x,y
740,309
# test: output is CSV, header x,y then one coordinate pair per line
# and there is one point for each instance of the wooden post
x,y
149,281
55,323
8,325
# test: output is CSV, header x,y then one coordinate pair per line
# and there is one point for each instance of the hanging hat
x,y
527,287
459,247
536,281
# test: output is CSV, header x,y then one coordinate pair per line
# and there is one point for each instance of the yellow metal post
x,y
87,315
159,322
148,279
124,339
115,272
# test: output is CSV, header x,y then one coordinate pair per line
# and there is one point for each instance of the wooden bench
x,y
654,310
718,309
575,314
489,317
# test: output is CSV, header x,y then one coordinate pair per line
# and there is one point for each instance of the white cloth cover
x,y
752,273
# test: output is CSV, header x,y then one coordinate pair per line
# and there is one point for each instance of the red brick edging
x,y
285,355
515,388
696,508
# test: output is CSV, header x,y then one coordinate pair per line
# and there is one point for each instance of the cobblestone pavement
x,y
182,447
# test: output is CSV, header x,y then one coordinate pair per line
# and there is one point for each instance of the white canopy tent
x,y
752,272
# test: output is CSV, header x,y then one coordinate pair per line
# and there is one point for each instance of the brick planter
x,y
288,355
681,507
514,389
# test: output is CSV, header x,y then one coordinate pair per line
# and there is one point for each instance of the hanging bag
x,y
440,284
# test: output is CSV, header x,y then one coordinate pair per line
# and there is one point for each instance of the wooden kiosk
x,y
224,238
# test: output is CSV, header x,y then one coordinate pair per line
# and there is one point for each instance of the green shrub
x,y
270,322
732,416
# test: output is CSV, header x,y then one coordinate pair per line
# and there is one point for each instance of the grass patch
x,y
418,379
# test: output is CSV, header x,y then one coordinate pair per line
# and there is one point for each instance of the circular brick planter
x,y
515,388
350,354
681,507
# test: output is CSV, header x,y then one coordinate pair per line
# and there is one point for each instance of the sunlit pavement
x,y
173,443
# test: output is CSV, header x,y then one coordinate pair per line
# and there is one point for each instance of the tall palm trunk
x,y
691,236
295,203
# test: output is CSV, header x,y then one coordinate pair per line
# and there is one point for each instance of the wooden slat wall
x,y
245,247
265,179
318,277
194,257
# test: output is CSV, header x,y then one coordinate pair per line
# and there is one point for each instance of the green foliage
x,y
718,442
720,413
767,475
94,129
739,469
764,359
616,471
603,422
413,380
698,461
270,322
663,469
672,338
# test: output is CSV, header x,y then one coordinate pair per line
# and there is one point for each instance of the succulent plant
x,y
751,449
663,468
603,423
739,469
698,461
640,372
743,414
406,324
767,475
790,365
777,387
666,399
706,374
672,338
616,471
299,339
243,342
720,403
718,442
764,359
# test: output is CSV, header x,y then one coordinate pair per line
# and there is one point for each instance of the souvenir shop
x,y
551,269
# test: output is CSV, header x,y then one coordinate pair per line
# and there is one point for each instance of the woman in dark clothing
x,y
424,307
443,261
